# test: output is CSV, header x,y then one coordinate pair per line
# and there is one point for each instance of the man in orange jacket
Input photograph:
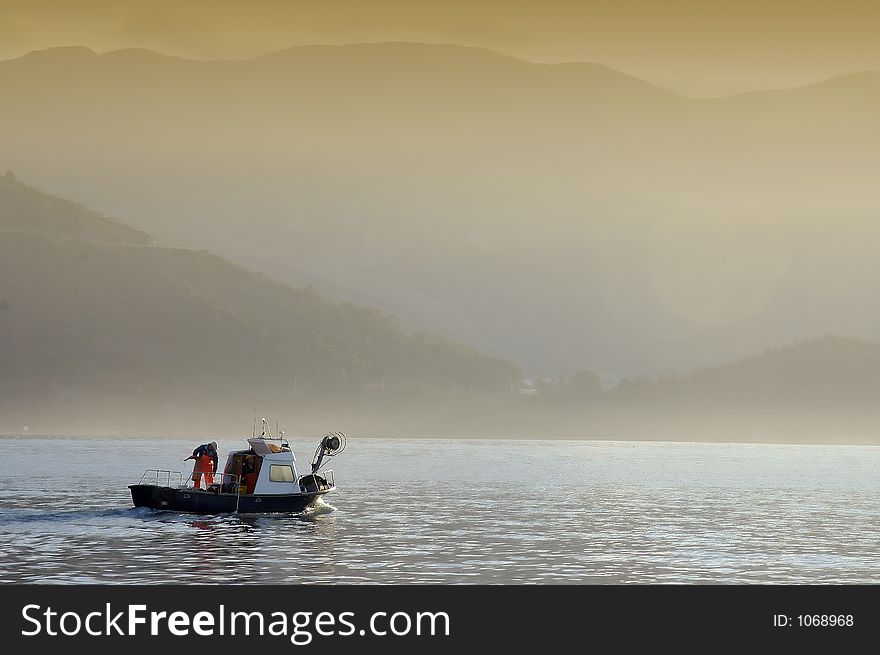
x,y
249,474
205,457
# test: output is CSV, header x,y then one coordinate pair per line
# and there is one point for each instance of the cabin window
x,y
280,473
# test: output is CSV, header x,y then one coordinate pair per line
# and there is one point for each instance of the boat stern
x,y
152,496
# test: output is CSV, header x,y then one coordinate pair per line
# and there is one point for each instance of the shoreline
x,y
460,439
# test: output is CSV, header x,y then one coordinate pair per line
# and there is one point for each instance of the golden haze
x,y
691,46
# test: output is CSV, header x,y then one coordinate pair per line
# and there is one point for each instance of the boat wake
x,y
319,508
62,516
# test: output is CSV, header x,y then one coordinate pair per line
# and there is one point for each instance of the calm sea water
x,y
446,511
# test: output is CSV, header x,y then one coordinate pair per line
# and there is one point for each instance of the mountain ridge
x,y
26,209
437,188
108,314
85,53
115,333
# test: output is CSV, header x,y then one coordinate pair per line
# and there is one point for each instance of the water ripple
x,y
459,512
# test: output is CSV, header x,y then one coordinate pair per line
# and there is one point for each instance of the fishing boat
x,y
261,479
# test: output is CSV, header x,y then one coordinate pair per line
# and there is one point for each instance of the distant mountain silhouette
x,y
24,209
831,372
563,216
93,316
101,328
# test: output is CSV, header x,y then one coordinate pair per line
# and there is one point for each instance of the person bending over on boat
x,y
205,457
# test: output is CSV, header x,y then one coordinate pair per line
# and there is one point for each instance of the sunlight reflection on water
x,y
475,511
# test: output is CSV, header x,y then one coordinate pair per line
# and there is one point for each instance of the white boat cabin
x,y
268,467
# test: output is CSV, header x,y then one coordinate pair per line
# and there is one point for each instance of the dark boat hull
x,y
209,502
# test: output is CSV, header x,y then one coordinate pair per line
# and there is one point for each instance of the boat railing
x,y
162,475
218,480
329,476
317,482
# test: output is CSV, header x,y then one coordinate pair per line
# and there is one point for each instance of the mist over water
x,y
422,239
446,511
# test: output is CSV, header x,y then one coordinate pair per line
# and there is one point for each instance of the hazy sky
x,y
692,46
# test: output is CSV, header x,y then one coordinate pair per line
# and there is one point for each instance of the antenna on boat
x,y
255,422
